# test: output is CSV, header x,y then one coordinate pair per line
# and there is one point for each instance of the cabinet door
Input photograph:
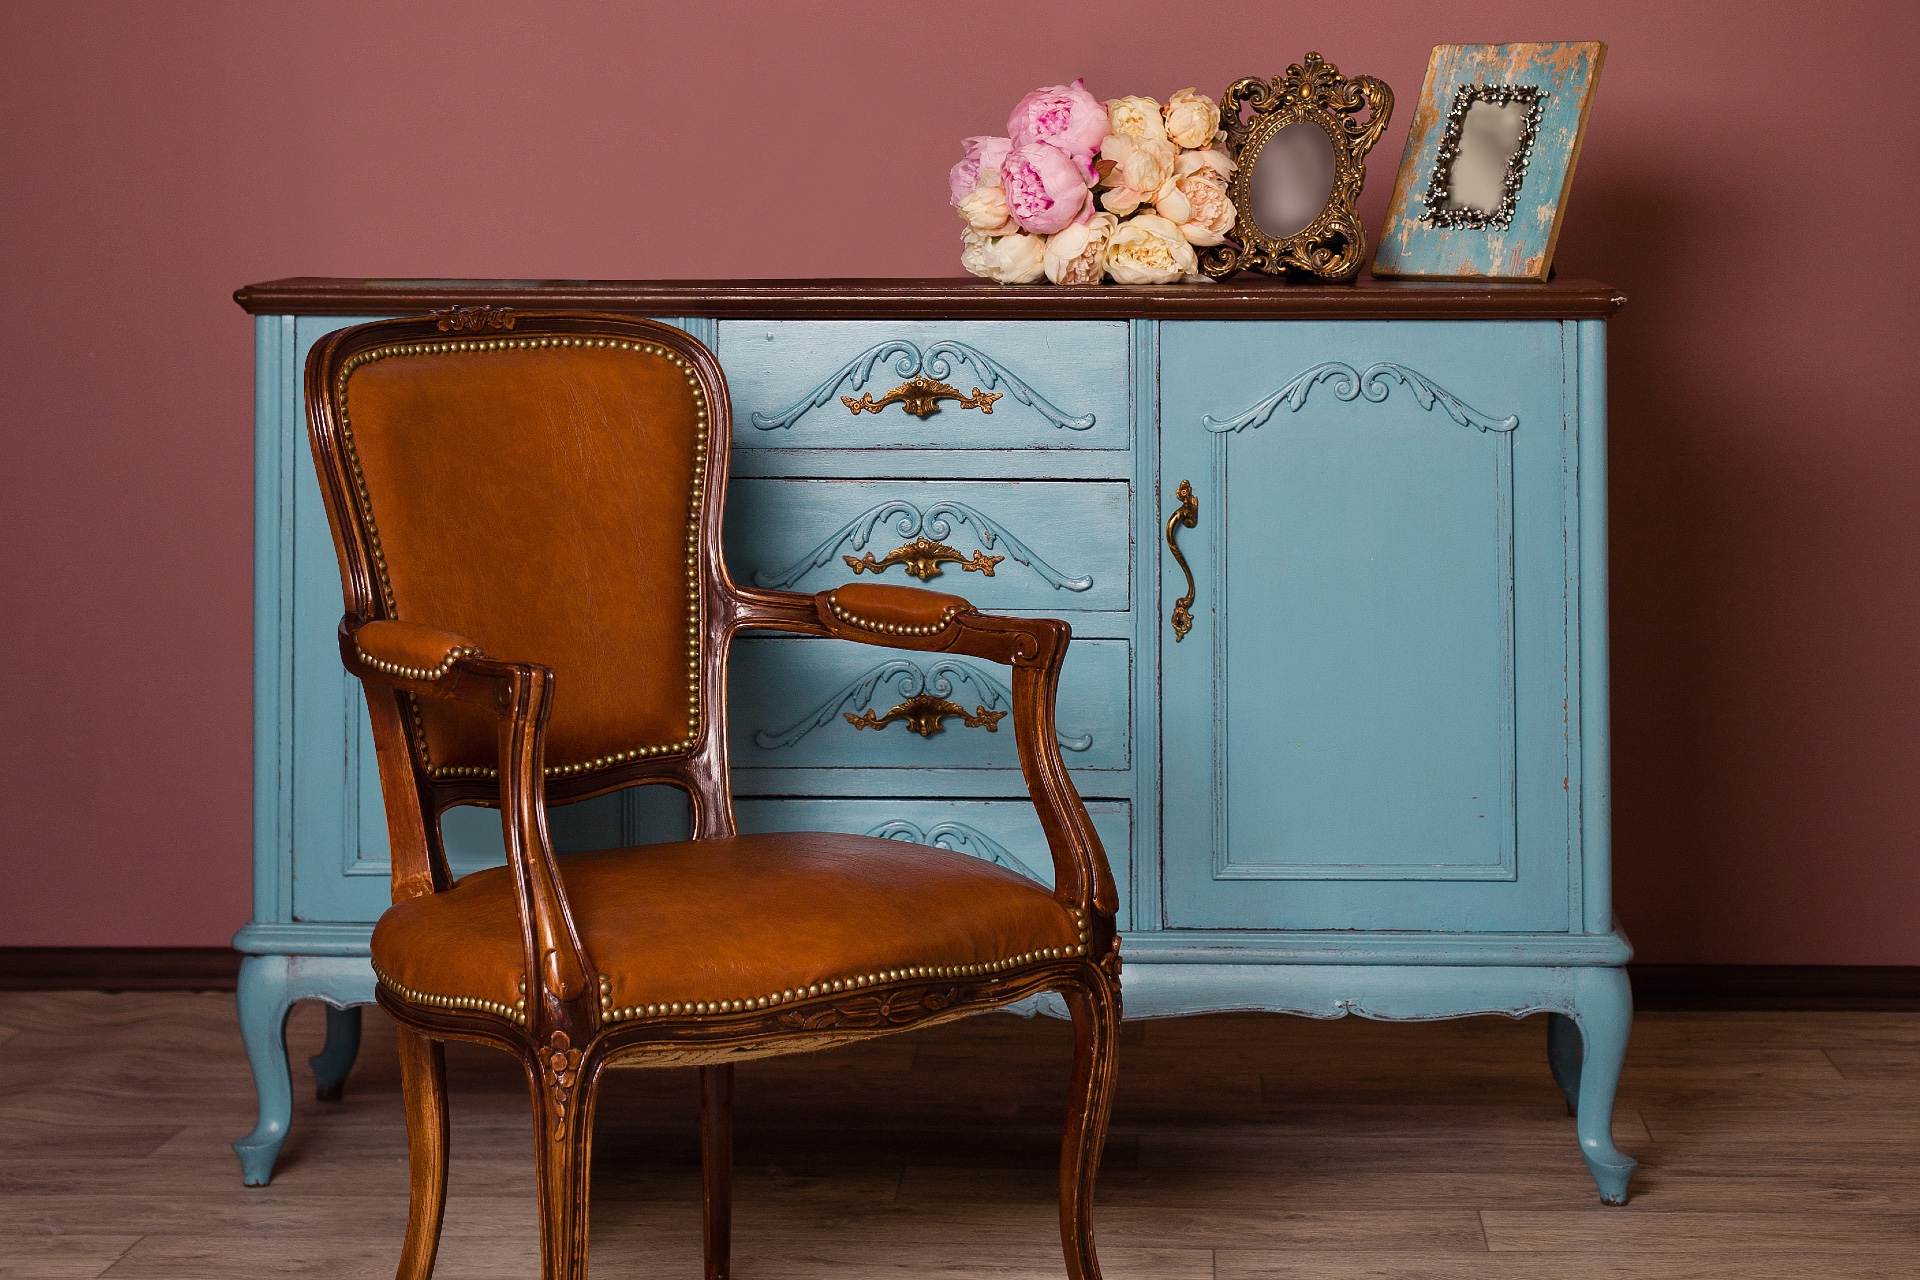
x,y
1367,726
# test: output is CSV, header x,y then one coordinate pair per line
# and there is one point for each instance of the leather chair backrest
x,y
539,493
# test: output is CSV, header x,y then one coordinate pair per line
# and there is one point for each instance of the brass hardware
x,y
921,396
1187,515
923,558
1334,244
924,714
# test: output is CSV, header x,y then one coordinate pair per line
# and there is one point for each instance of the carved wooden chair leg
x,y
423,1085
716,1166
1096,1035
563,1098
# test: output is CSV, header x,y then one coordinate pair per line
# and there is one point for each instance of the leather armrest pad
x,y
410,651
881,609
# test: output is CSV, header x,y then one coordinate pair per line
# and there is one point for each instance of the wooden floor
x,y
1244,1147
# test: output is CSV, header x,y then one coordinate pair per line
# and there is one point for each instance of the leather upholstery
x,y
410,650
736,919
510,490
886,609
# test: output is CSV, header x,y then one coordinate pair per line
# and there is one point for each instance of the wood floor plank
x,y
1244,1147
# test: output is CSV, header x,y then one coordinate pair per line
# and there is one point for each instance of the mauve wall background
x,y
1747,176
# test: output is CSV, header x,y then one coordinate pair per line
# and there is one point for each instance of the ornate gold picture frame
x,y
1287,170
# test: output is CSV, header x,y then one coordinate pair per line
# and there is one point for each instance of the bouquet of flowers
x,y
1082,190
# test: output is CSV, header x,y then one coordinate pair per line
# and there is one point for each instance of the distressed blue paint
x,y
1065,384
334,1062
1418,565
1064,548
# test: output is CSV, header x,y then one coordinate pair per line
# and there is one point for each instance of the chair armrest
x,y
911,618
407,657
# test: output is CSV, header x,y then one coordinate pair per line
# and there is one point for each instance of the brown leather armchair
x,y
527,513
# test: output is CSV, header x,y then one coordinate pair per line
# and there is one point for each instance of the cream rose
x,y
1136,118
985,207
1195,197
1191,119
1014,259
1077,255
1148,249
1134,168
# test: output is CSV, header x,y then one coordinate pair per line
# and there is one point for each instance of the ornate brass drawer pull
x,y
923,558
921,397
1187,515
925,715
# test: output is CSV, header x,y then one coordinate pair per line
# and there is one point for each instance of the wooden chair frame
x,y
565,1042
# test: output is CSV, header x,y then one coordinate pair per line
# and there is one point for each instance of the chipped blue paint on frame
x,y
1566,73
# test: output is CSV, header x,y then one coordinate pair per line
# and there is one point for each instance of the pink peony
x,y
1046,188
981,153
1065,115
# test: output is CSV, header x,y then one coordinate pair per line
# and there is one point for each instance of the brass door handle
x,y
1187,514
921,397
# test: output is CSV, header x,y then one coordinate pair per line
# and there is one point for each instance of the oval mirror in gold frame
x,y
1294,212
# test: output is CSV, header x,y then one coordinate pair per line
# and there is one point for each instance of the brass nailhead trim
x,y
418,673
897,629
708,1007
695,496
516,1014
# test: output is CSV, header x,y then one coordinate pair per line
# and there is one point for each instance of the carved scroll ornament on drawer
x,y
926,548
924,373
957,837
1373,384
926,701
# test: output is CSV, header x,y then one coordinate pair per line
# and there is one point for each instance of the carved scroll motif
x,y
1372,385
925,695
936,363
934,526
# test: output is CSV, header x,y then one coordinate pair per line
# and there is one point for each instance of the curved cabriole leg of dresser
x,y
335,1060
270,985
1563,1055
1603,1010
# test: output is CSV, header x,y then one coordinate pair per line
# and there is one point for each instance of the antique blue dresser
x,y
1335,562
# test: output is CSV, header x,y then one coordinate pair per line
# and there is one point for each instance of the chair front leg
x,y
423,1085
716,1167
1096,1038
563,1087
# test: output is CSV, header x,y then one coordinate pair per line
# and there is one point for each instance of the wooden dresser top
x,y
951,298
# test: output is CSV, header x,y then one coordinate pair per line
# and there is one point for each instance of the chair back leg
x,y
1096,1037
423,1086
564,1090
716,1167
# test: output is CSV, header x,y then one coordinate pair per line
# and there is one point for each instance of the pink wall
x,y
1742,180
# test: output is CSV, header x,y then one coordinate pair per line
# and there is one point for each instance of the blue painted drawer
x,y
1006,832
829,704
799,384
1032,545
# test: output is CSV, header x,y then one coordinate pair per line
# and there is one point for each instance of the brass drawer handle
x,y
921,397
925,714
1187,515
923,558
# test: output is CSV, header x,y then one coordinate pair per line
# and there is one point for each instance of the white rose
x,y
985,207
1014,259
1077,255
1147,249
1191,118
1136,118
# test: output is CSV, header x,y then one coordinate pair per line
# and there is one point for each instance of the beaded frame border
x,y
1441,185
696,496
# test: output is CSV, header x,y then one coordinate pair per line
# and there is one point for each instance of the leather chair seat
x,y
728,925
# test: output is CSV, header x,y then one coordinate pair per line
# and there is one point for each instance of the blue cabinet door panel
x,y
795,384
1367,726
1028,545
